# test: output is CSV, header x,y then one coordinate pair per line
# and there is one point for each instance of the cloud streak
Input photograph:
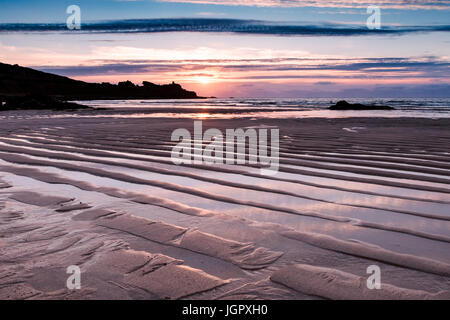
x,y
395,4
285,68
222,25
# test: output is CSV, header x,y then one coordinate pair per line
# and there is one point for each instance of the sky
x,y
239,48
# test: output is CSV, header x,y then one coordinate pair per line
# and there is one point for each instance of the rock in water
x,y
344,105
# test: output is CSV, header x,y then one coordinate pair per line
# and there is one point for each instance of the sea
x,y
269,108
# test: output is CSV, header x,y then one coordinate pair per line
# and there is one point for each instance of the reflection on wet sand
x,y
101,191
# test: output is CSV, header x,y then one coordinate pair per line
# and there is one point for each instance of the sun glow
x,y
204,79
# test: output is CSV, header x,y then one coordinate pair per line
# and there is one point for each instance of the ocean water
x,y
269,108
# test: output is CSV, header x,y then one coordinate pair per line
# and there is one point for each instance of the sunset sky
x,y
239,48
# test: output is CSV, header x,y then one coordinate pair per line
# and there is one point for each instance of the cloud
x,y
325,83
393,91
289,77
396,4
222,25
211,14
271,69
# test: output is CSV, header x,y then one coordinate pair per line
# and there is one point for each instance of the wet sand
x,y
103,194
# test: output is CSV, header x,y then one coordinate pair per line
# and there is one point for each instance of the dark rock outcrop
x,y
37,102
20,81
344,105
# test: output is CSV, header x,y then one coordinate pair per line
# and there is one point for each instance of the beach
x,y
99,190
